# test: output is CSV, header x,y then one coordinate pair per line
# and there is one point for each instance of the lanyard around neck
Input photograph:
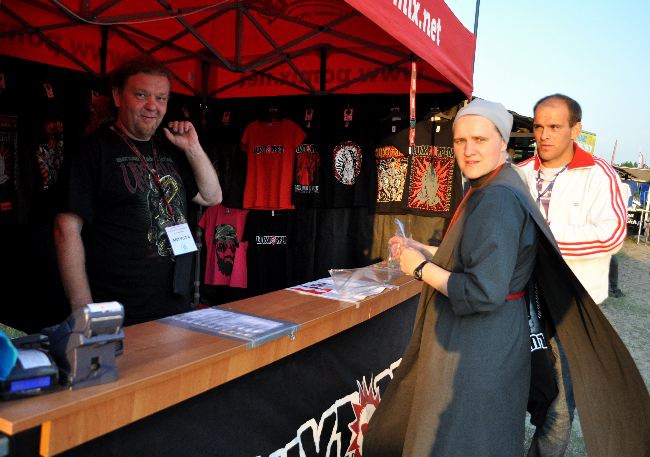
x,y
550,185
152,171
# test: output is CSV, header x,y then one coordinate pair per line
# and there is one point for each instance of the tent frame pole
x,y
103,50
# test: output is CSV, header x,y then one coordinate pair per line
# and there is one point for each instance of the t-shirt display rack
x,y
332,228
336,209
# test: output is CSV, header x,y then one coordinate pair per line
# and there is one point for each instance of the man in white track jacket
x,y
580,197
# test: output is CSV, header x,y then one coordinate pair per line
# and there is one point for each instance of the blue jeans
x,y
552,438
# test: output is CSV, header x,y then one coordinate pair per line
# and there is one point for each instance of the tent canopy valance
x,y
250,48
634,174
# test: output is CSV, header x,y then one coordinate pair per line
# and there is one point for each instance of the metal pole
x,y
323,69
478,5
103,51
643,219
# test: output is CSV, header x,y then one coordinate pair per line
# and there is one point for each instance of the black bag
x,y
543,385
183,273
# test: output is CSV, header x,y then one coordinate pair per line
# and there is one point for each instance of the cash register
x,y
86,344
33,371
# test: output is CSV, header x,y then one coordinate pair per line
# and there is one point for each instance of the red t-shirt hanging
x,y
271,149
225,262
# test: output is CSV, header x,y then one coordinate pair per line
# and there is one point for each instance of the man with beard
x,y
225,244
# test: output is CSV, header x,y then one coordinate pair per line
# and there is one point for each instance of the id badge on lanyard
x,y
181,239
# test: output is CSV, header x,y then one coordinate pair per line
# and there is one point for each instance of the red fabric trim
x,y
459,210
515,295
525,162
581,158
618,235
461,206
586,252
490,178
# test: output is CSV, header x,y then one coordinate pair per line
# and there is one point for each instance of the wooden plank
x,y
164,365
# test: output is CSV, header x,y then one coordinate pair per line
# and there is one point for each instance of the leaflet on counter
x,y
357,290
232,324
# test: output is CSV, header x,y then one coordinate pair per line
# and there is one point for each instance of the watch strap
x,y
417,273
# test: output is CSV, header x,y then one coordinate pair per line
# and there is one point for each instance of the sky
x,y
597,52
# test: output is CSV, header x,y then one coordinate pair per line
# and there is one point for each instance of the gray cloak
x,y
462,386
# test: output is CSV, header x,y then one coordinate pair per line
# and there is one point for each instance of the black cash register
x,y
34,372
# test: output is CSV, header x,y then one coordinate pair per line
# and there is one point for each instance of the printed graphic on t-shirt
x,y
139,179
391,174
307,165
49,153
225,245
225,260
347,162
268,149
8,148
160,215
432,172
271,240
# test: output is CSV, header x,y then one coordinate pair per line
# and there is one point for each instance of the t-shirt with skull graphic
x,y
348,167
225,263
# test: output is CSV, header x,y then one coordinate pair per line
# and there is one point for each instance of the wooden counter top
x,y
163,365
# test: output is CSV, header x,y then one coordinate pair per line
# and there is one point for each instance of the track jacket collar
x,y
581,159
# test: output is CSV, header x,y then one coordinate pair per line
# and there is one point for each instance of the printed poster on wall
x,y
587,141
8,150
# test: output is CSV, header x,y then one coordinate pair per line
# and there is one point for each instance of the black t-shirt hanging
x,y
223,137
10,96
267,233
349,172
43,151
434,181
392,162
307,189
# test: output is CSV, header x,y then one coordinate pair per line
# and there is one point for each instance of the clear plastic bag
x,y
393,259
359,283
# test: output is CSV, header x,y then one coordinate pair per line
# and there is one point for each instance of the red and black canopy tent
x,y
249,48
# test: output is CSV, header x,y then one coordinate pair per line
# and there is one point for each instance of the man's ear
x,y
116,97
575,130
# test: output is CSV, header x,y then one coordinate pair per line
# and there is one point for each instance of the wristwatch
x,y
417,273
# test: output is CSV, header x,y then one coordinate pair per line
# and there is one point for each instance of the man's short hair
x,y
143,64
575,112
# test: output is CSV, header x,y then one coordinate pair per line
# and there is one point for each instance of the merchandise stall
x,y
365,152
638,204
340,70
